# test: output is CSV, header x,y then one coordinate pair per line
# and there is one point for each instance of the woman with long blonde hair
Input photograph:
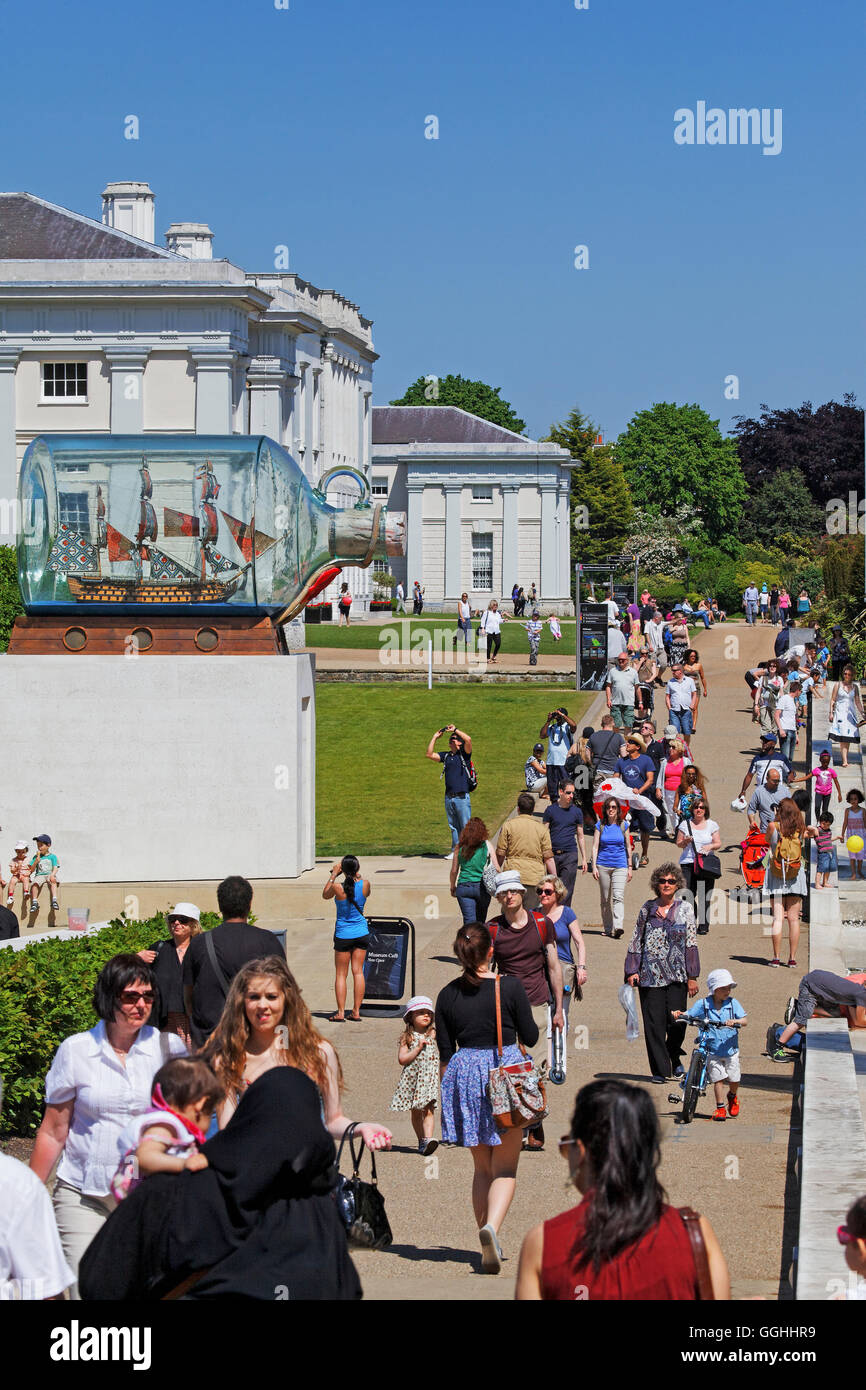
x,y
265,1023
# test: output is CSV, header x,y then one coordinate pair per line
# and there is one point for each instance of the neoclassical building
x,y
103,330
486,508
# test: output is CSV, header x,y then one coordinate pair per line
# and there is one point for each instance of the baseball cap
x,y
671,731
185,910
768,738
418,1001
42,839
717,979
538,748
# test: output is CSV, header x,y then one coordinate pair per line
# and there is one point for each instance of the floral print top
x,y
664,950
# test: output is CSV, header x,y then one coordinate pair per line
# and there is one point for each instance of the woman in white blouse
x,y
491,626
698,836
97,1082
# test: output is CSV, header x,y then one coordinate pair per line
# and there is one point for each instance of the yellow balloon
x,y
854,844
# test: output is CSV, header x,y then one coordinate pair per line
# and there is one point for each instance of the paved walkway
x,y
734,1173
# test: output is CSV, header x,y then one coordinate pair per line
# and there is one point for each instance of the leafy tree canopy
x,y
780,505
601,510
826,445
675,456
475,396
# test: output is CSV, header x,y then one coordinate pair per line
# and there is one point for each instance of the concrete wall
x,y
161,768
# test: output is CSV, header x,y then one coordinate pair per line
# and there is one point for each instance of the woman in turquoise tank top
x,y
351,935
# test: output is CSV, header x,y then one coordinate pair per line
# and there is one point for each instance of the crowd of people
x,y
193,1127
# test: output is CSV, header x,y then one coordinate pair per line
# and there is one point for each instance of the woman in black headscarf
x,y
259,1222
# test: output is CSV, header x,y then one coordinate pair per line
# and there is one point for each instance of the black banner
x,y
592,648
388,957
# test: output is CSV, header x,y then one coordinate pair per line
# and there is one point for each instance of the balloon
x,y
854,844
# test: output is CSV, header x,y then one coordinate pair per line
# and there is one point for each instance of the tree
x,y
601,508
675,456
662,542
826,445
475,396
781,505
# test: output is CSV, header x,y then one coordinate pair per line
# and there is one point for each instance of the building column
x,y
365,397
291,397
8,450
126,365
265,378
213,391
509,536
548,584
414,535
453,499
563,514
317,467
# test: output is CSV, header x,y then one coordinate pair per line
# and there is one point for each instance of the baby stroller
x,y
633,854
753,858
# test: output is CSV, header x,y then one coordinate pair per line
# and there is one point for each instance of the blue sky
x,y
306,127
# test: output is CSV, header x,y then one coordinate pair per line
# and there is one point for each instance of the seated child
x,y
723,1061
44,868
167,1138
19,872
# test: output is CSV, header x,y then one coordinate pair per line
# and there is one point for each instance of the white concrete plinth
x,y
161,767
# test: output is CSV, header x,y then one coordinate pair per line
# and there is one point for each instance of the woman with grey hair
x,y
552,900
663,963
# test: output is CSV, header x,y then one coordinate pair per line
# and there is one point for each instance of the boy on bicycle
x,y
723,1060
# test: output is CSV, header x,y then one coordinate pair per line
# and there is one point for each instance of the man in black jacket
x,y
214,958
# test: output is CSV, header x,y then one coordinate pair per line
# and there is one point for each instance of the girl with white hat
x,y
418,1055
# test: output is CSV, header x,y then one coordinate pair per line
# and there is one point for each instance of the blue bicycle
x,y
694,1083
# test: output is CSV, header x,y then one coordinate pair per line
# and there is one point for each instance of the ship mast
x,y
147,525
208,522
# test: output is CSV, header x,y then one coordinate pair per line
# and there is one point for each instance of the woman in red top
x,y
622,1242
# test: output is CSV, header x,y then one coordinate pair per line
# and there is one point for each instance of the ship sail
x,y
120,547
247,541
101,537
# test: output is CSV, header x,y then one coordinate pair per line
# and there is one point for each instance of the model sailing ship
x,y
158,577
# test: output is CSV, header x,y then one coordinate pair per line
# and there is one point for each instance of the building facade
x,y
486,508
102,330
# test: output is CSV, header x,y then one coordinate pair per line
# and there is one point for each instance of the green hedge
x,y
45,995
10,594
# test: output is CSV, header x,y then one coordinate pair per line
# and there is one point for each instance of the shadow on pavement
x,y
439,1254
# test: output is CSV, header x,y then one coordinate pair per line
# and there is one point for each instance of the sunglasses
x,y
665,880
132,996
546,892
844,1236
565,1143
184,921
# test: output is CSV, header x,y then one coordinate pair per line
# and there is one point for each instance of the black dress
x,y
261,1220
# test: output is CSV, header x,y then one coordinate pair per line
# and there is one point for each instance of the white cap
x,y
738,803
717,979
185,910
418,1001
21,844
509,878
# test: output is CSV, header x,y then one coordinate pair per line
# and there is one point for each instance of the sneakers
x,y
10,900
34,907
780,1055
55,904
720,1113
775,962
790,1007
617,933
428,1146
491,1250
733,1105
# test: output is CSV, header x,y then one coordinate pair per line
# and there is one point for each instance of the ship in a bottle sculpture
x,y
127,523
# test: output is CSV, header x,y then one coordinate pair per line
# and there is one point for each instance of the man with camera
x,y
458,782
559,732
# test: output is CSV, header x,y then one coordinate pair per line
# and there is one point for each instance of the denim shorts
x,y
827,861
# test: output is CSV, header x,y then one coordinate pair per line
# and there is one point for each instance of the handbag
x,y
692,1223
489,877
361,1204
516,1092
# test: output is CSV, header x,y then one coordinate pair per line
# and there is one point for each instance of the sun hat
x,y
717,979
636,738
418,1001
509,879
21,844
185,910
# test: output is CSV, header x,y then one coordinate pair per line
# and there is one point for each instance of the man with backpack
x,y
460,778
524,945
213,958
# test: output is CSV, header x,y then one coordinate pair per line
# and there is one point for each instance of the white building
x,y
487,508
101,330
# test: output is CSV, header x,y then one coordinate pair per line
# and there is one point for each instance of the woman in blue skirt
x,y
466,1037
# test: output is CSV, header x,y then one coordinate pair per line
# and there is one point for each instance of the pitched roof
x,y
436,424
33,230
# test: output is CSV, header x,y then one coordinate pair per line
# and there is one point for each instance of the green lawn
x,y
376,793
364,636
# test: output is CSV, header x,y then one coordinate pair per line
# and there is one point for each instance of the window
x,y
74,511
64,380
482,561
379,487
482,494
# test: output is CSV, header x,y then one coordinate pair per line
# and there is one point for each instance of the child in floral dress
x,y
418,1055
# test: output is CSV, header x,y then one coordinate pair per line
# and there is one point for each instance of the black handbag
x,y
709,864
361,1204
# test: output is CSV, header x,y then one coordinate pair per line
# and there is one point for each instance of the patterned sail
x,y
72,553
120,547
179,523
248,541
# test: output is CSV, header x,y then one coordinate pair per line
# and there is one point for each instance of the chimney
x,y
191,239
129,207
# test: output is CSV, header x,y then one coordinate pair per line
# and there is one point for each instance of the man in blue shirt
x,y
559,731
565,822
458,807
638,771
